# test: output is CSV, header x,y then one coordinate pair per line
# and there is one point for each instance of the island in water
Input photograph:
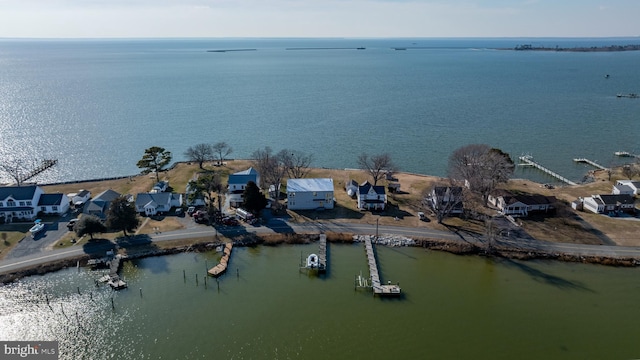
x,y
609,48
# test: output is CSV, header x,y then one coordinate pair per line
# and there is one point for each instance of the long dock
x,y
222,266
43,166
590,162
377,287
322,254
527,159
114,280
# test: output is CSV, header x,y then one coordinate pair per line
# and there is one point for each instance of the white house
x,y
600,204
160,186
634,185
520,205
80,198
238,182
57,204
19,202
371,197
99,205
619,189
351,187
310,194
447,197
192,198
154,203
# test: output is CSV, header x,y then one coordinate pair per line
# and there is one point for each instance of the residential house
x,y
520,205
623,189
351,187
99,205
192,197
634,185
604,204
371,197
310,194
80,198
238,182
446,197
56,204
160,186
19,202
156,203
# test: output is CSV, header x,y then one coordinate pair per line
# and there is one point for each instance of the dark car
x,y
230,221
71,224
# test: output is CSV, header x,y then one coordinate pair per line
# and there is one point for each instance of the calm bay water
x,y
97,104
453,307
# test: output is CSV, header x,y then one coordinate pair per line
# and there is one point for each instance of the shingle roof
x,y
314,184
143,199
107,195
50,200
18,192
366,186
615,199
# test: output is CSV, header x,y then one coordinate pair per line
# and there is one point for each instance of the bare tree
x,y
199,153
16,170
210,186
295,162
629,171
272,170
222,150
481,167
444,200
377,165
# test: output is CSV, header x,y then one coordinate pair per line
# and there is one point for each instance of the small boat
x,y
39,226
622,153
312,261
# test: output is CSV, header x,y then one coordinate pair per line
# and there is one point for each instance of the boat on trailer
x,y
39,226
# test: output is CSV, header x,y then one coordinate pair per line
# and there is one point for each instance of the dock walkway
x,y
590,162
376,285
527,159
322,253
222,266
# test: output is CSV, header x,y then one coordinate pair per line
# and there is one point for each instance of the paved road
x,y
278,226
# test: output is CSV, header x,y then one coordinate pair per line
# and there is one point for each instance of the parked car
x,y
71,224
191,210
230,221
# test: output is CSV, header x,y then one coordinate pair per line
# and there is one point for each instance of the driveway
x,y
42,241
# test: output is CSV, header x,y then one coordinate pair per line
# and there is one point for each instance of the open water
x,y
97,104
454,307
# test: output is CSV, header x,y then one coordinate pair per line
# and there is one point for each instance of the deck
x,y
322,254
374,281
528,160
590,162
222,266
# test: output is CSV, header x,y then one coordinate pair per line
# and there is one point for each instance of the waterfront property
x,y
80,198
371,197
447,197
238,182
310,194
633,185
25,202
151,204
160,186
520,205
99,205
224,261
602,204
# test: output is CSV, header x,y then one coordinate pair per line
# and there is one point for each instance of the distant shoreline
x,y
610,48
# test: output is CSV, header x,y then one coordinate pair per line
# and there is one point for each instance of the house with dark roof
x,y
604,204
371,197
57,204
19,202
99,205
520,205
79,199
238,182
157,203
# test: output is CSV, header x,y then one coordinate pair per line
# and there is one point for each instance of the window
x,y
54,208
11,203
315,193
28,203
21,203
43,208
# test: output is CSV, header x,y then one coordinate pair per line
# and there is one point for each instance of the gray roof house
x,y
19,202
99,205
153,203
600,204
237,183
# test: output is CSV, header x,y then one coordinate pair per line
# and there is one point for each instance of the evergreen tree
x,y
122,216
89,224
154,159
253,199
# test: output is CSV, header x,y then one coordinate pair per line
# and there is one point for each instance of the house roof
x,y
442,190
50,199
530,199
366,186
617,199
249,171
631,183
314,184
623,188
18,192
83,193
107,195
242,178
143,199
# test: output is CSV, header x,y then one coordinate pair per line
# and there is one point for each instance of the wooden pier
x,y
374,280
322,254
590,162
222,266
43,166
527,159
114,280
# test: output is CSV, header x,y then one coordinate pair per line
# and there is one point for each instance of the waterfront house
x,y
371,197
80,198
634,185
446,197
157,203
53,204
604,204
19,202
238,182
351,187
99,205
619,189
192,196
520,205
160,186
310,194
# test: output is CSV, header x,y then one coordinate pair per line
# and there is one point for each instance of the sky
x,y
318,18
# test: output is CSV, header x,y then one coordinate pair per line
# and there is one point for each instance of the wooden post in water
x,y
238,273
113,307
205,281
184,276
140,292
196,279
218,282
78,290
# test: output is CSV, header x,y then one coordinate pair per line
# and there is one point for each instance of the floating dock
x,y
527,159
590,162
222,266
374,280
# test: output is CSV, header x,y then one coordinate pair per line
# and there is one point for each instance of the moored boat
x,y
312,261
39,226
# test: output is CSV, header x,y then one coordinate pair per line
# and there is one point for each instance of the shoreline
x,y
455,247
